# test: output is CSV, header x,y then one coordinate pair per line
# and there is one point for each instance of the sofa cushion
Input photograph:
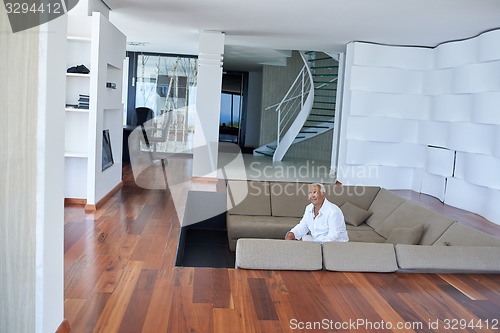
x,y
246,226
361,196
289,199
362,226
406,235
384,204
462,259
409,215
366,236
359,257
353,214
459,234
257,200
278,254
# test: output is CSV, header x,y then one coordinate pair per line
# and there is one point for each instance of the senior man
x,y
322,222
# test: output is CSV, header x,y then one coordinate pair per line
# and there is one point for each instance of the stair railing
x,y
293,110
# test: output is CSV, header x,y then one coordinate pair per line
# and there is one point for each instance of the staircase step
x,y
324,74
326,89
309,132
320,121
263,152
316,67
320,59
314,126
319,102
325,82
272,147
328,96
321,115
327,109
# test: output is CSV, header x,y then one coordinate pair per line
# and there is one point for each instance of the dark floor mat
x,y
206,248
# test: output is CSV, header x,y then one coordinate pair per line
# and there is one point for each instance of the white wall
x,y
50,184
425,119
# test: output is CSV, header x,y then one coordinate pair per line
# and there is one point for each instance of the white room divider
x,y
426,119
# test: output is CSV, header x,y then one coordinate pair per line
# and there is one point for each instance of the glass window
x,y
167,85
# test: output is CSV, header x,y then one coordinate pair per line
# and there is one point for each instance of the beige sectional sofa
x,y
387,233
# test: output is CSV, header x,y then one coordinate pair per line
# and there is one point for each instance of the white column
x,y
209,84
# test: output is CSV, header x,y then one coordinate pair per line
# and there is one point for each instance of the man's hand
x,y
290,236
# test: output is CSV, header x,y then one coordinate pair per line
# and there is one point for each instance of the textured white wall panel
x,y
456,53
382,129
489,46
433,185
365,103
393,56
474,78
466,196
478,169
472,138
474,198
389,177
391,80
452,107
434,133
487,108
492,211
438,82
439,161
496,151
381,153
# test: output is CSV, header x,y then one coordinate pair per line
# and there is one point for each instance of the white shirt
x,y
328,226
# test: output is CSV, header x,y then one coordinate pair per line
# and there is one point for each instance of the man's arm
x,y
299,230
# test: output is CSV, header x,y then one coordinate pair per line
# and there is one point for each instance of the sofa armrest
x,y
359,257
277,254
453,259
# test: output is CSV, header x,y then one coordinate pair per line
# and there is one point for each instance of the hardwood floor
x,y
120,277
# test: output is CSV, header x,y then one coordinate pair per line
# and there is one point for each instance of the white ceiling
x,y
261,31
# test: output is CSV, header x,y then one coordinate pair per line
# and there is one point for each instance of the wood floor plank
x,y
466,289
90,313
155,255
282,300
242,300
372,296
262,299
158,315
341,291
315,305
112,314
74,230
139,223
137,308
110,276
81,285
72,308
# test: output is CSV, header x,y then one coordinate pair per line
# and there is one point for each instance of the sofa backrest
x,y
361,196
257,200
459,234
409,215
288,198
384,204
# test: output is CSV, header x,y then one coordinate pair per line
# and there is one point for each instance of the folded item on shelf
x,y
79,69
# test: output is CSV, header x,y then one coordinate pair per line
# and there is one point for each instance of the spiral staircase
x,y
308,108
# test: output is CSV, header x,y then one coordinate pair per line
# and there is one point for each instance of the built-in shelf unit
x,y
92,107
